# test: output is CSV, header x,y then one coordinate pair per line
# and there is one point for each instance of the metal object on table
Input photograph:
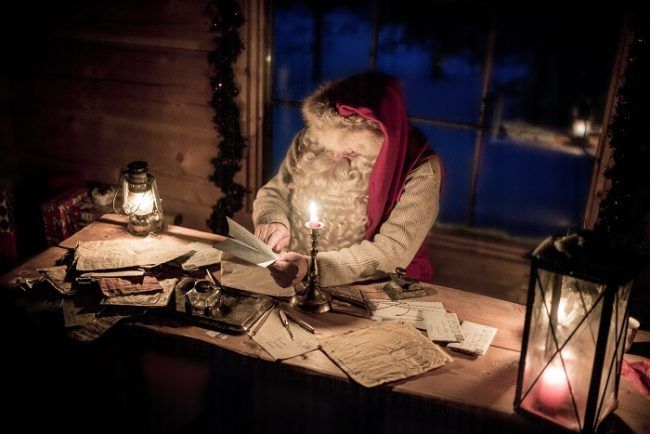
x,y
262,320
314,299
203,297
302,323
403,287
285,322
221,308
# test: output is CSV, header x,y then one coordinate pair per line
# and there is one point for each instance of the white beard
x,y
340,190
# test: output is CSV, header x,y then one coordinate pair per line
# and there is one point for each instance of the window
x,y
510,97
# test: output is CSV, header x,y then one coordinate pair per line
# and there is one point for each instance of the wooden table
x,y
483,385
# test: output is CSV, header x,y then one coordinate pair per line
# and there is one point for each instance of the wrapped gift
x,y
61,215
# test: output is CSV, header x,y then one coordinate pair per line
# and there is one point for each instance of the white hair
x,y
340,190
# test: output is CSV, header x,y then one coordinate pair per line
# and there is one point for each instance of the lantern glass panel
x,y
550,396
613,354
607,393
537,355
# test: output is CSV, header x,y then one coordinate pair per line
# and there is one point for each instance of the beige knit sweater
x,y
399,237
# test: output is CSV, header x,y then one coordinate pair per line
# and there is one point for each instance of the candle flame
x,y
313,217
562,316
554,376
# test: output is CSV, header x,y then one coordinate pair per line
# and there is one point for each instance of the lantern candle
x,y
553,388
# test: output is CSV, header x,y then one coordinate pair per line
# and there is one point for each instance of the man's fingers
x,y
284,273
278,266
281,279
283,243
260,231
264,233
289,257
277,237
272,234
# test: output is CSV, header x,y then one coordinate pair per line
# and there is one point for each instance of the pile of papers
x,y
103,282
441,326
123,267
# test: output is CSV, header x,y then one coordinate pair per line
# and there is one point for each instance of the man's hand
x,y
275,235
289,269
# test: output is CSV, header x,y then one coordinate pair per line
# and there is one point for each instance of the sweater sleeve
x,y
399,237
271,204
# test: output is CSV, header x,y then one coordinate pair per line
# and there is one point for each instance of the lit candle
x,y
553,387
313,217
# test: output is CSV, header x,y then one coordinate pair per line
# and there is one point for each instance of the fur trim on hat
x,y
319,111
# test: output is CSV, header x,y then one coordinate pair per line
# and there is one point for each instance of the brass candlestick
x,y
313,300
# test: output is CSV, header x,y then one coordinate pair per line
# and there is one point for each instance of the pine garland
x,y
624,215
225,20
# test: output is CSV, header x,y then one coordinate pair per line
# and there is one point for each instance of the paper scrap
x,y
116,286
237,273
244,245
388,351
274,338
98,327
403,310
217,335
58,277
128,252
154,299
114,273
443,326
80,309
200,255
477,338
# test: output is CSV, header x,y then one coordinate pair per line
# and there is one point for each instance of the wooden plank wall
x,y
488,267
95,85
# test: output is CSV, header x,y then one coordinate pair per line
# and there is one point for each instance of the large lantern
x,y
574,335
137,197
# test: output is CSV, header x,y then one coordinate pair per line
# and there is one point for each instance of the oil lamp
x,y
139,199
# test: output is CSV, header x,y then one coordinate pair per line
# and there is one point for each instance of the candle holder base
x,y
310,303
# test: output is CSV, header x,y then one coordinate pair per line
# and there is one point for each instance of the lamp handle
x,y
117,191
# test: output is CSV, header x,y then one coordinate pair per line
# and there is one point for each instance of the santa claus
x,y
373,176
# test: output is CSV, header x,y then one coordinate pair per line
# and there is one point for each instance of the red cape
x,y
403,149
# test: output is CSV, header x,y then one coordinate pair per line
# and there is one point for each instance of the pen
x,y
300,322
285,322
262,321
212,279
